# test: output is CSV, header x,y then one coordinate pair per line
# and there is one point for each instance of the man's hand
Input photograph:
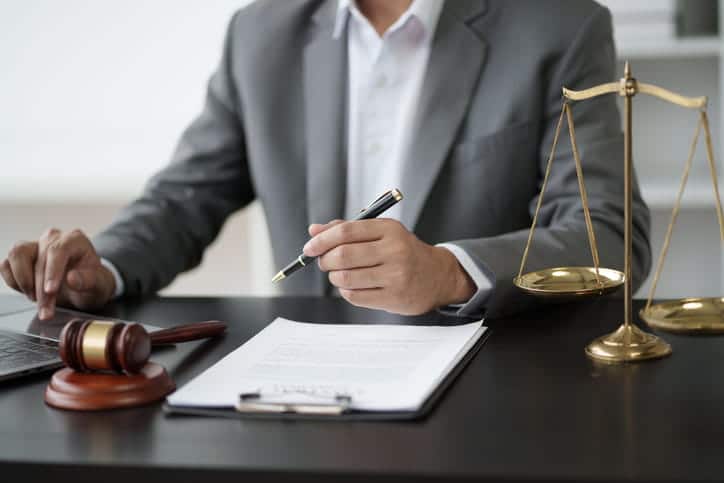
x,y
379,264
60,268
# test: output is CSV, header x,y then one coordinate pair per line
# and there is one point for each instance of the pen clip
x,y
393,192
386,193
375,201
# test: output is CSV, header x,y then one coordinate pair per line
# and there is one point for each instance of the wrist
x,y
457,287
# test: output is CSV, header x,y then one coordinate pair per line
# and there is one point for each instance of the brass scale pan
x,y
570,282
692,315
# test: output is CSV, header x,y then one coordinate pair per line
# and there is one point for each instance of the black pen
x,y
375,209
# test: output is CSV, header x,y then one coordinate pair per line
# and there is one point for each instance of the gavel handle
x,y
184,333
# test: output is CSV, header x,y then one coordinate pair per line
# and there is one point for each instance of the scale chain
x,y
542,189
565,110
674,213
712,168
584,196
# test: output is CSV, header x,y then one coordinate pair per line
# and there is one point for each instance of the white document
x,y
380,367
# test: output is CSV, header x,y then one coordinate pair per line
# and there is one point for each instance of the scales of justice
x,y
628,343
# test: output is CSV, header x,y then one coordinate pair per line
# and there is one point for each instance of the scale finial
x,y
627,70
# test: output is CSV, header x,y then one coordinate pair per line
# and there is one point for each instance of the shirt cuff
x,y
120,286
480,279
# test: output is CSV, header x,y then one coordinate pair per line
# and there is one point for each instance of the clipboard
x,y
335,408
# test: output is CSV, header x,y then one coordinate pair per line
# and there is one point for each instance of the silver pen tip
x,y
279,276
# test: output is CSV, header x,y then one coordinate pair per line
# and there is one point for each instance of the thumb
x,y
316,228
88,288
83,280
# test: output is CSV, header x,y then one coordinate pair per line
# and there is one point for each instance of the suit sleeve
x,y
183,207
560,237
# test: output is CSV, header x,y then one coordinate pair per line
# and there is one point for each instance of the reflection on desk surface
x,y
27,322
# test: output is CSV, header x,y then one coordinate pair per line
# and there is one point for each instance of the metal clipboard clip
x,y
255,402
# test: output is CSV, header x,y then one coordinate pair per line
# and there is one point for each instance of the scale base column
x,y
627,344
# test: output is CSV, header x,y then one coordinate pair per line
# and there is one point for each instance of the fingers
x,y
316,228
347,232
369,298
18,268
7,275
353,255
359,278
46,302
59,254
58,267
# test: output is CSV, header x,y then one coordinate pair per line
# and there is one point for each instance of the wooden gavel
x,y
100,345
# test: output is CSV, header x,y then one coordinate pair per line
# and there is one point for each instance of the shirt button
x,y
381,82
373,148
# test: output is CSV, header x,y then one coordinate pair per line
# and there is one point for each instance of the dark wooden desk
x,y
529,406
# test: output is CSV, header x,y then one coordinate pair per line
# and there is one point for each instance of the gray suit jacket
x,y
273,129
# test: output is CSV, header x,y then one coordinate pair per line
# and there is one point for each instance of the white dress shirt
x,y
385,79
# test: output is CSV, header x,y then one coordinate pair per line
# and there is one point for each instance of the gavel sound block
x,y
108,364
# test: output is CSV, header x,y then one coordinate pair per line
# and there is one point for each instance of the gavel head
x,y
99,345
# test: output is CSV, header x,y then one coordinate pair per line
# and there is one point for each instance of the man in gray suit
x,y
318,105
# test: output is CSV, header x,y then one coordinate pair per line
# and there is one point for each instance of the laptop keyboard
x,y
18,351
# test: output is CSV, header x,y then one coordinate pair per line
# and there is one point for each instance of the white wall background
x,y
94,94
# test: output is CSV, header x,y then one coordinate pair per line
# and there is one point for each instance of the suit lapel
x,y
325,103
456,58
325,90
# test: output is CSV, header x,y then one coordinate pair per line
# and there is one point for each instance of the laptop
x,y
29,345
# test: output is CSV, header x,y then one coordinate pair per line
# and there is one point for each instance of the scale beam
x,y
672,97
629,87
599,90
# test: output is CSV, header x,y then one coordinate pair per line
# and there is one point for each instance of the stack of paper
x,y
378,367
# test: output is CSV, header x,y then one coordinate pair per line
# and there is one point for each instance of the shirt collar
x,y
427,11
